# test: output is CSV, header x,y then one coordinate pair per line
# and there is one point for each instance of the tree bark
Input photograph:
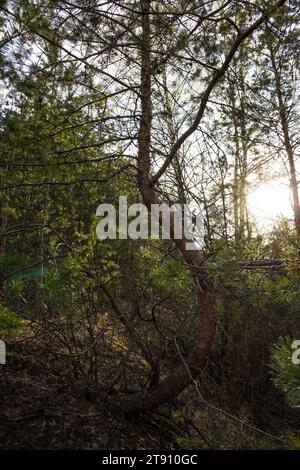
x,y
176,382
287,142
188,370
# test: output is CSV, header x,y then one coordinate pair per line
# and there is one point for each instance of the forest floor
x,y
43,407
44,410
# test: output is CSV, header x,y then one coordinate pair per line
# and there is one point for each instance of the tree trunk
x,y
191,366
288,145
188,370
177,381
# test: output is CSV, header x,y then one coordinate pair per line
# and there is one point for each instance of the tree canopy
x,y
164,102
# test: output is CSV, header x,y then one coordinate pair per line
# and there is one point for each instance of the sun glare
x,y
269,202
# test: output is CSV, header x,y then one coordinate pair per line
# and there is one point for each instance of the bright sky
x,y
268,202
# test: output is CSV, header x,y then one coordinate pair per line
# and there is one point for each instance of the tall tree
x,y
125,45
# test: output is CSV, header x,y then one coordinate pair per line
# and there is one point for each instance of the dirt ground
x,y
40,409
44,406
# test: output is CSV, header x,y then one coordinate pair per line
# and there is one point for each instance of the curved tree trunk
x,y
190,367
177,381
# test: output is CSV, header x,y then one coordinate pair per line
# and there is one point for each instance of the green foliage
x,y
13,289
293,439
8,321
286,375
63,141
168,274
